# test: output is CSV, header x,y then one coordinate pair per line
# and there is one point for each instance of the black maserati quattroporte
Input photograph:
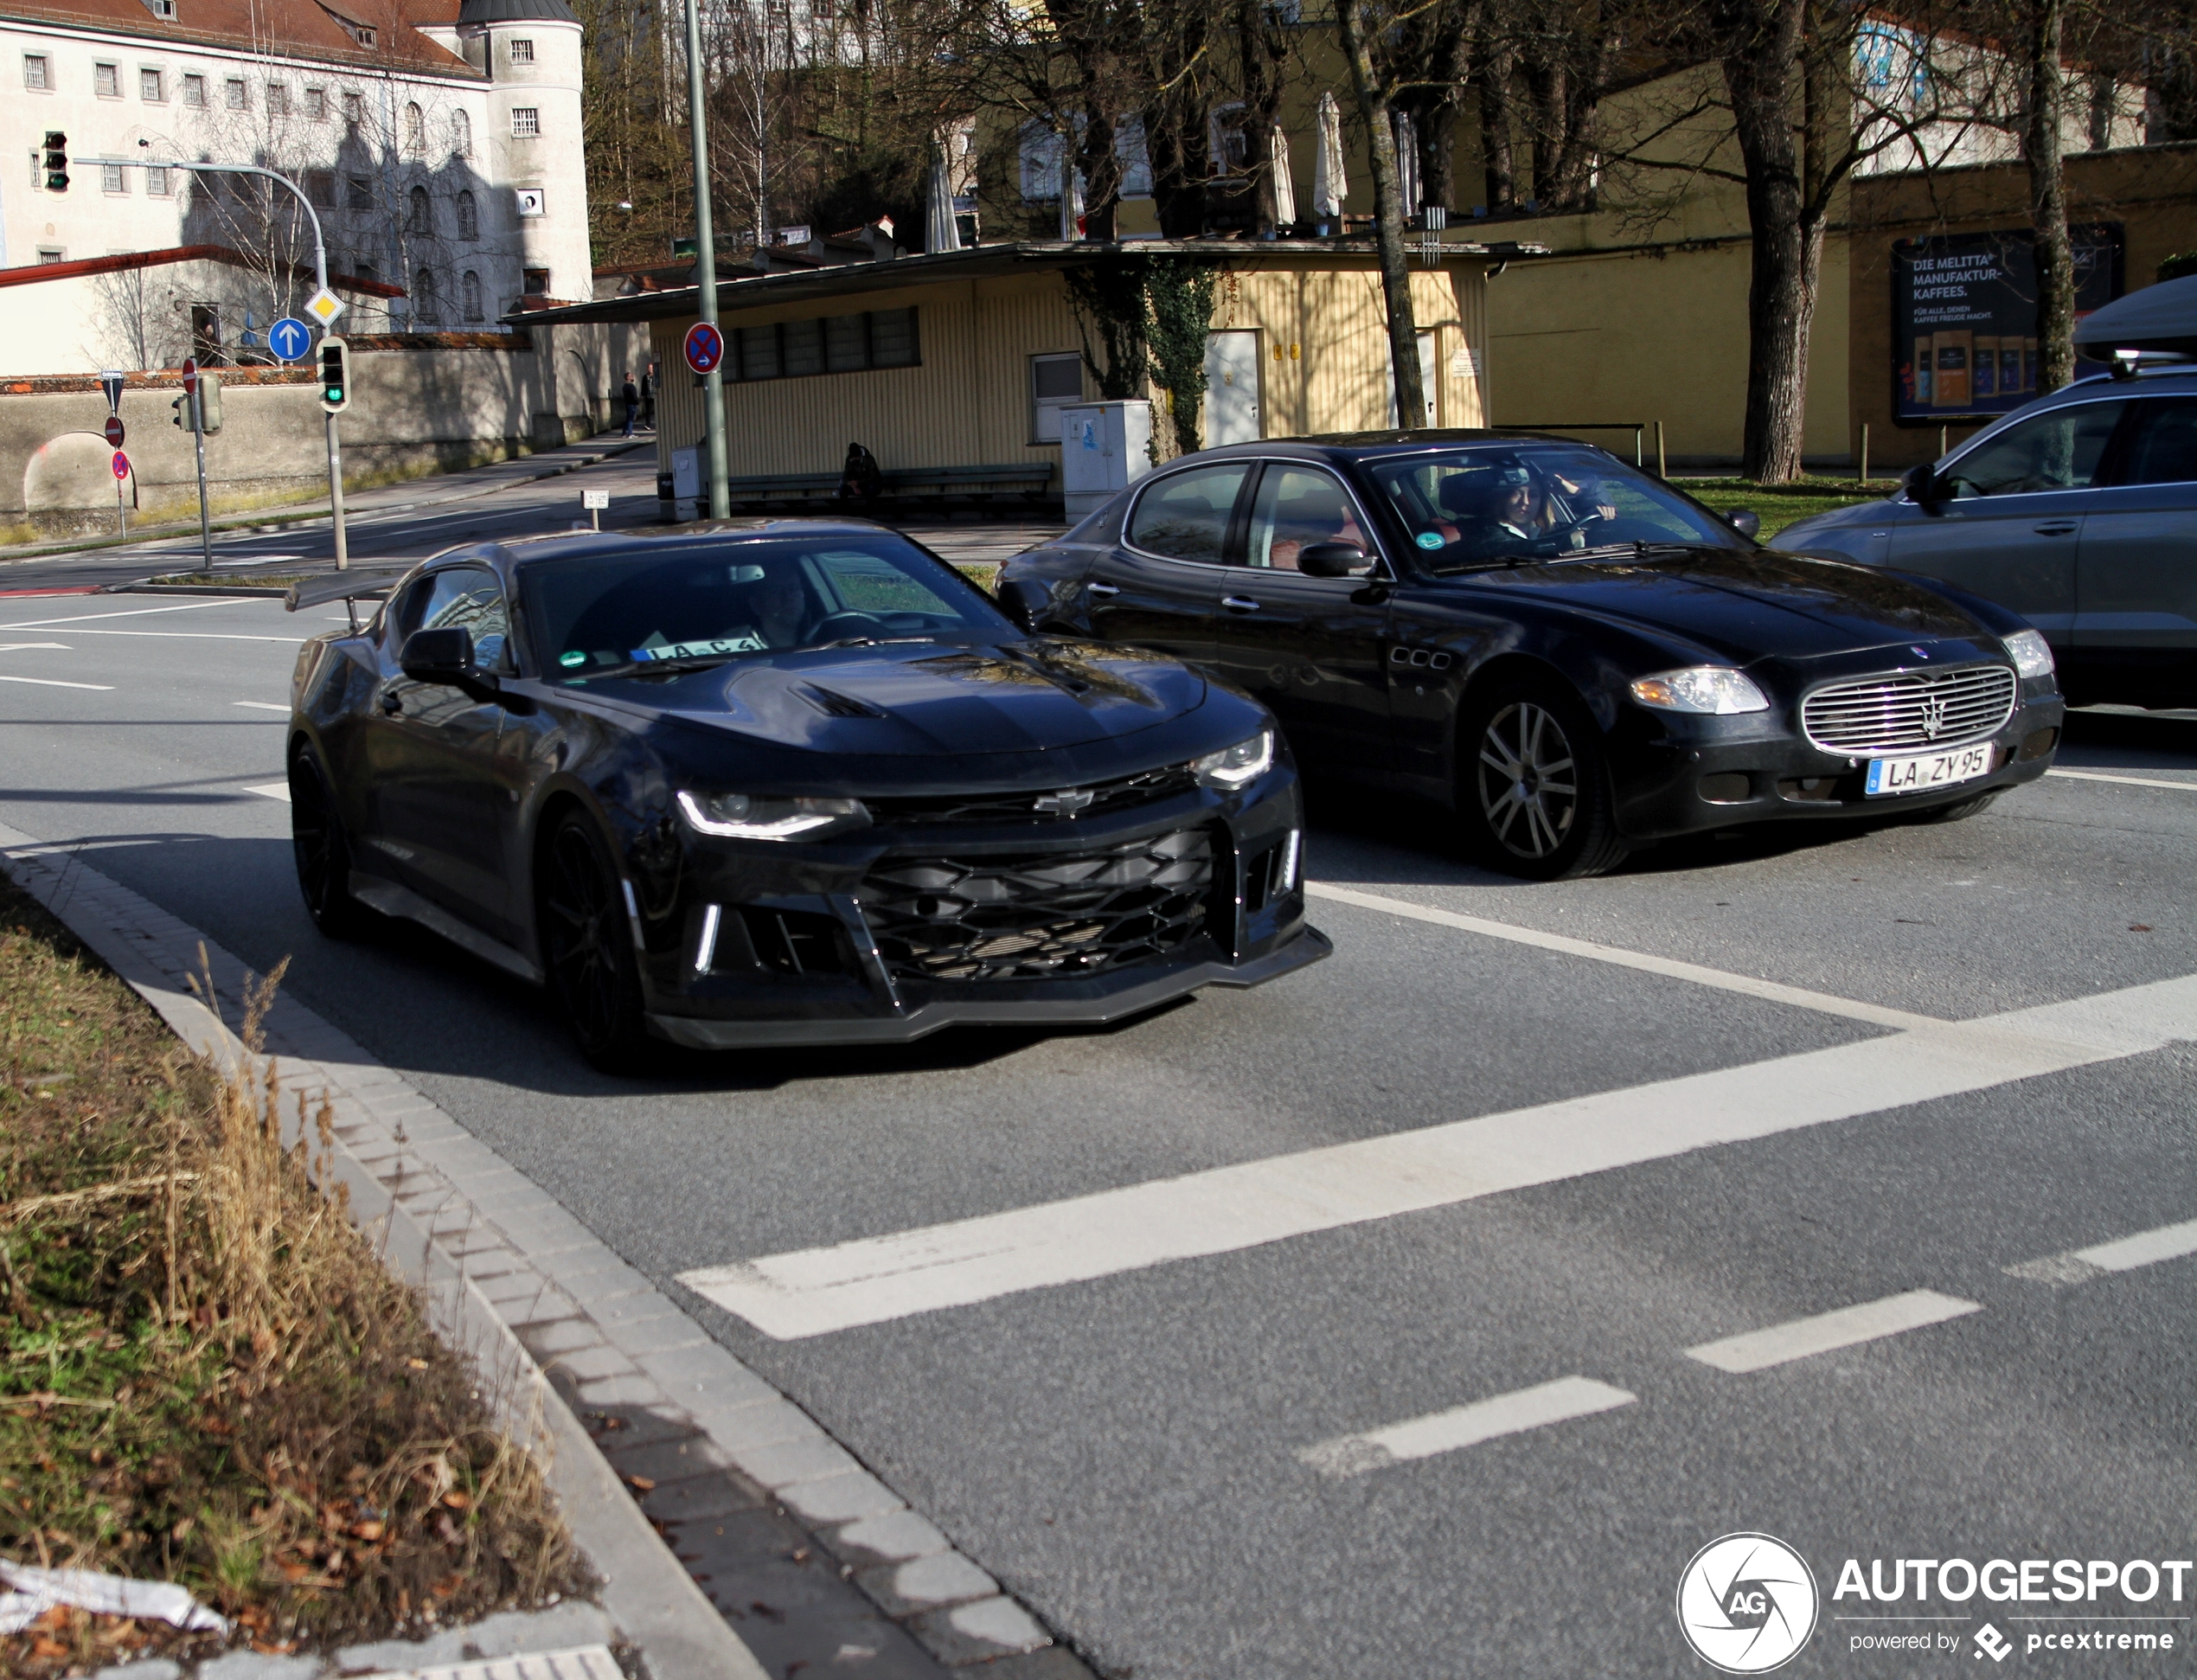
x,y
1572,655
791,782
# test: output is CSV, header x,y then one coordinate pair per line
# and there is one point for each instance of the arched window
x,y
415,128
461,134
469,217
469,291
425,309
421,218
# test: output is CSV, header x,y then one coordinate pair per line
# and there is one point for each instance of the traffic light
x,y
209,401
56,161
335,375
182,417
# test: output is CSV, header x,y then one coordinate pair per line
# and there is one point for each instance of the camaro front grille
x,y
1047,805
1912,711
1039,916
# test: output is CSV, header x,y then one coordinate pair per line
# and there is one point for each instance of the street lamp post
x,y
713,383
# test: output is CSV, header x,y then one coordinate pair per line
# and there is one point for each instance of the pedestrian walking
x,y
648,398
632,396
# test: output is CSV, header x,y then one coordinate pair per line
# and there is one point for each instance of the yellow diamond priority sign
x,y
324,306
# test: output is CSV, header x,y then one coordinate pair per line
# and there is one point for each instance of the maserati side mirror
x,y
1333,560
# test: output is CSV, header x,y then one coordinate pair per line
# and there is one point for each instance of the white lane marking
x,y
272,791
1797,997
2125,781
19,647
1781,1344
141,611
193,636
875,1279
56,682
2122,1254
1464,1425
261,706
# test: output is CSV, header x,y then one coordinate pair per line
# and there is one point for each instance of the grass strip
x,y
207,1376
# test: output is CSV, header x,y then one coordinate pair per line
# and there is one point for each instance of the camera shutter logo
x,y
1748,1603
1989,1642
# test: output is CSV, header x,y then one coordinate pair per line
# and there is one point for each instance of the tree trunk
x,y
1389,218
2048,197
1261,50
1101,166
1761,50
1497,161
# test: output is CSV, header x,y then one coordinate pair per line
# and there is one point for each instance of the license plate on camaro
x,y
1927,771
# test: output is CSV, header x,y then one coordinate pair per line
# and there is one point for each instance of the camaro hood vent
x,y
922,699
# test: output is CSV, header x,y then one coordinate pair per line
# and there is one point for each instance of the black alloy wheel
x,y
587,947
1533,788
323,852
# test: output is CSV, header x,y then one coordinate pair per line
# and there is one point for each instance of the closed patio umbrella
x,y
1071,199
1330,185
1283,187
940,231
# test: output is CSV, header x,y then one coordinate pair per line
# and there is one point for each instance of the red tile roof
x,y
300,27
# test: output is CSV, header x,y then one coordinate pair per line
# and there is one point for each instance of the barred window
x,y
37,72
320,188
277,99
461,134
317,104
526,121
826,344
469,288
415,128
111,179
354,108
469,217
106,82
236,95
151,88
156,181
522,52
422,217
358,193
194,90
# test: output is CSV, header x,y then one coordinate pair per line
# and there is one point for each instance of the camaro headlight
x,y
1234,766
1715,689
744,816
2032,654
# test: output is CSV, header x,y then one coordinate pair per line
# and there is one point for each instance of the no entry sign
x,y
114,429
190,375
704,347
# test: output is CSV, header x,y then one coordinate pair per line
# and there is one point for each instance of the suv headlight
x,y
1713,689
1234,766
744,816
2031,653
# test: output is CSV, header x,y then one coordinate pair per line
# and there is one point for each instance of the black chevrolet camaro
x,y
791,782
1572,655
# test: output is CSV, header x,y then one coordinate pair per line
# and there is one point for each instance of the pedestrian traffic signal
x,y
210,402
181,405
335,375
56,161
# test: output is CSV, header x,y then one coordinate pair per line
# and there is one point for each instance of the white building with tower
x,y
439,143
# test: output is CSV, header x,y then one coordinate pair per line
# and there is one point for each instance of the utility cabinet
x,y
1105,448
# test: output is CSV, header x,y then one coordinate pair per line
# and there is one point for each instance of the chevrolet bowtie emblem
x,y
1065,803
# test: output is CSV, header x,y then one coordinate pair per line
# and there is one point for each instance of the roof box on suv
x,y
2157,324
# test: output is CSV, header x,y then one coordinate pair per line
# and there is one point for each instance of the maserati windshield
x,y
1501,506
599,614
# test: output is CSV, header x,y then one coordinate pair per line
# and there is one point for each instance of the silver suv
x,y
2080,512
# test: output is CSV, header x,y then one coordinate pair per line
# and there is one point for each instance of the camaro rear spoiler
x,y
348,588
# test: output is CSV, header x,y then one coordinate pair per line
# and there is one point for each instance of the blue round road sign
x,y
704,348
290,338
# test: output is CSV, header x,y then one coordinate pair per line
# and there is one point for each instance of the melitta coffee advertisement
x,y
1965,318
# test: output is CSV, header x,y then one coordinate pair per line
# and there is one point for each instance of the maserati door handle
x,y
1240,602
1102,590
2057,527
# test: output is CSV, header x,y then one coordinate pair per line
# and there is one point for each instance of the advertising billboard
x,y
1965,318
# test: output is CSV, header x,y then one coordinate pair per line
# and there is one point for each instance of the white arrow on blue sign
x,y
290,338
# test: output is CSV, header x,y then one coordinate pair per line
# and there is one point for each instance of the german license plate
x,y
1926,772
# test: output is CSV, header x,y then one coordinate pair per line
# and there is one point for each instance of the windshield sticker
x,y
575,657
1430,539
746,642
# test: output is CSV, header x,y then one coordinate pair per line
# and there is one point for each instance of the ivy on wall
x,y
1150,315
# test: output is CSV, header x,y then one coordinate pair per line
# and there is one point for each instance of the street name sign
x,y
704,347
290,338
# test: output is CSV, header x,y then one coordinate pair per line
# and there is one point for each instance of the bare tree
x,y
1353,30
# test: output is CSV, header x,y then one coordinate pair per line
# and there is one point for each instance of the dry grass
x,y
206,1373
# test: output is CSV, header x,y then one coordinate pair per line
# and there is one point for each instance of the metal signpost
x,y
335,398
595,501
193,408
121,473
713,392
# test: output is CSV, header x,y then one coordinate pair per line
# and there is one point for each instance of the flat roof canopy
x,y
748,290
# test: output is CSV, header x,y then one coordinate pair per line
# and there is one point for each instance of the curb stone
x,y
799,1555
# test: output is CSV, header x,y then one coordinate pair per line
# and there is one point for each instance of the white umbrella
x,y
1407,134
1329,186
1285,187
940,231
1071,198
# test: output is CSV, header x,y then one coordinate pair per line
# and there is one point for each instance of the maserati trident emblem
x,y
1933,716
1065,803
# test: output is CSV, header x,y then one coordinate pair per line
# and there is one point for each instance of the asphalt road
x,y
1177,1459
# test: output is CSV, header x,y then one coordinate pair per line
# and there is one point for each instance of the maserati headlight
x,y
1234,766
1713,689
2031,653
745,816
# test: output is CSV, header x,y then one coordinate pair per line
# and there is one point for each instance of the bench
x,y
1030,480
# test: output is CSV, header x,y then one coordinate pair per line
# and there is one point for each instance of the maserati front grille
x,y
1039,916
1912,711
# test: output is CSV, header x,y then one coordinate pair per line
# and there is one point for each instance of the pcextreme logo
x,y
1748,1603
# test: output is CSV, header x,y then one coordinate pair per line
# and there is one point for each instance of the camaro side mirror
x,y
1333,560
1745,521
441,656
